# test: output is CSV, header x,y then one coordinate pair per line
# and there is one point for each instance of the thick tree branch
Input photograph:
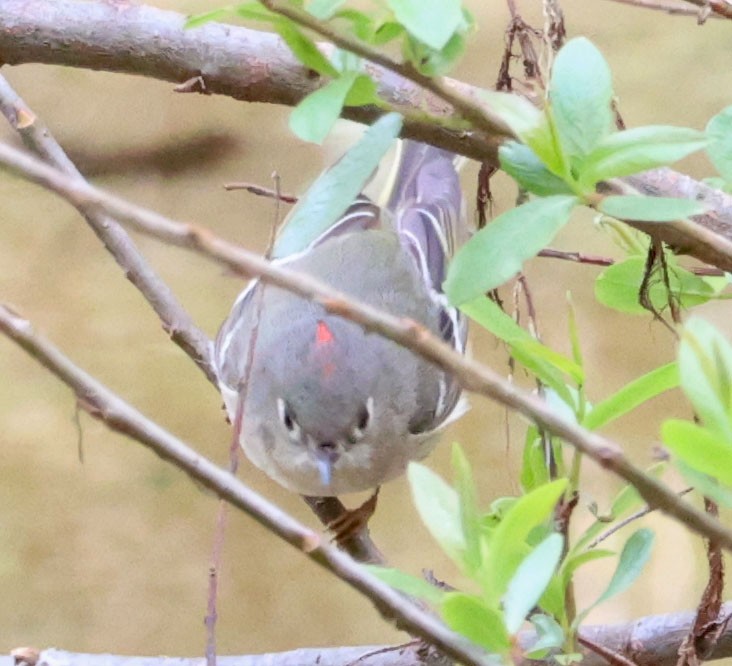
x,y
103,404
472,375
256,66
647,641
244,64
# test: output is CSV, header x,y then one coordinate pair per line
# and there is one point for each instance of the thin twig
x,y
261,191
668,7
471,375
626,521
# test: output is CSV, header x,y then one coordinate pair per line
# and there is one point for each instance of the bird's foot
x,y
352,522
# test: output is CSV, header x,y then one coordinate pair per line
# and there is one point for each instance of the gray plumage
x,y
329,408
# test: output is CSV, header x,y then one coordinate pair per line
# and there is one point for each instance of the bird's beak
x,y
326,455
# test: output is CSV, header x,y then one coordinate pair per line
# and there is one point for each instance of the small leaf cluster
x,y
561,154
703,450
519,565
431,35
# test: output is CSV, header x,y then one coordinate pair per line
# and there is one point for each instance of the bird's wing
x,y
426,203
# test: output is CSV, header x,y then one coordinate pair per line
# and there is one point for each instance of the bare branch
x,y
244,64
256,66
471,375
106,406
669,6
648,641
719,7
176,321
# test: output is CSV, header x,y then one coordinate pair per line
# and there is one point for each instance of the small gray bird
x,y
328,408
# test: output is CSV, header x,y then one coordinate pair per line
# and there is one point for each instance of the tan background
x,y
112,554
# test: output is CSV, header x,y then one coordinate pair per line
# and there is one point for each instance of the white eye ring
x,y
364,419
287,419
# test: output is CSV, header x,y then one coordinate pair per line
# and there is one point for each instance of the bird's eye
x,y
286,416
364,417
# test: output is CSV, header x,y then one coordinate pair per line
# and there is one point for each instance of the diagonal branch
x,y
175,320
106,406
173,317
256,66
471,375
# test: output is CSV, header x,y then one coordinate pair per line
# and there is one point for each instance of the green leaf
x,y
438,506
523,165
323,10
431,21
574,562
305,50
632,395
719,131
256,11
639,149
705,485
473,619
530,580
362,92
618,287
362,24
430,62
496,253
387,32
641,208
314,116
559,361
522,117
549,634
197,20
508,541
534,470
705,365
699,448
489,315
469,515
337,187
633,558
410,585
580,92
547,364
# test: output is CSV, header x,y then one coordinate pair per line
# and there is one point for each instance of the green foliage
x,y
337,187
719,133
518,569
632,395
513,557
619,286
635,554
497,252
580,92
703,452
650,209
433,22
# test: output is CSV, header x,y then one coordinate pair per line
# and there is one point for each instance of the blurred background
x,y
112,554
